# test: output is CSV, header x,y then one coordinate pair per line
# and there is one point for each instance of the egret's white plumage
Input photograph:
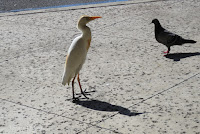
x,y
77,52
75,58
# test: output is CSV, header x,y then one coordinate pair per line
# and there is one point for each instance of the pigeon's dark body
x,y
167,38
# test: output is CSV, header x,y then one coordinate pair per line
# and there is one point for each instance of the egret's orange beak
x,y
94,17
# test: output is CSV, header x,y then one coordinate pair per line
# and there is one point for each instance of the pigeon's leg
x,y
74,99
81,87
167,50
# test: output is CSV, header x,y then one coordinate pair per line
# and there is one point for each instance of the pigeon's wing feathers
x,y
168,38
165,37
171,38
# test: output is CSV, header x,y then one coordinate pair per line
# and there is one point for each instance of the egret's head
x,y
85,19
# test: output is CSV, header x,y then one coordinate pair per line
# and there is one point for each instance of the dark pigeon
x,y
167,38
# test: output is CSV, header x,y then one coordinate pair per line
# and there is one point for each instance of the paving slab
x,y
21,119
175,110
131,84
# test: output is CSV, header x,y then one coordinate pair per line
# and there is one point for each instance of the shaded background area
x,y
9,5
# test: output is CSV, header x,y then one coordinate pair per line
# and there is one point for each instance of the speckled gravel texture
x,y
133,88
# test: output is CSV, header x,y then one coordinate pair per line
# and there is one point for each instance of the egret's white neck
x,y
85,30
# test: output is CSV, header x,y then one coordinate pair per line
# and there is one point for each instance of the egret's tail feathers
x,y
64,81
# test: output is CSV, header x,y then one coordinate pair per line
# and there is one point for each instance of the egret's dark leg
x,y
81,87
73,88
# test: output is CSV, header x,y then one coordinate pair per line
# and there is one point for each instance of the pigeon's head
x,y
155,21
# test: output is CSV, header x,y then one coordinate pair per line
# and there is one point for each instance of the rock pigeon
x,y
167,38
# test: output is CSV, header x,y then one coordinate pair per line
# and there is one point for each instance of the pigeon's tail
x,y
188,41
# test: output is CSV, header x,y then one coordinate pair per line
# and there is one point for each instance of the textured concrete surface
x,y
133,87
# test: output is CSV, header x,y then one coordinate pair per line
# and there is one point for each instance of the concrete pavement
x,y
133,88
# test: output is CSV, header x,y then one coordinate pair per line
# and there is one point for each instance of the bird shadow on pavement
x,y
179,56
105,106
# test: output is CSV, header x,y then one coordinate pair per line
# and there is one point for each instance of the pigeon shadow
x,y
179,56
105,106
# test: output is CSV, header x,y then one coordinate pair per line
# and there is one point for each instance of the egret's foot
x,y
74,100
84,95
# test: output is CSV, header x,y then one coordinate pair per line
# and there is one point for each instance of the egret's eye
x,y
87,18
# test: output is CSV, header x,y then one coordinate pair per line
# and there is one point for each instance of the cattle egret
x,y
77,52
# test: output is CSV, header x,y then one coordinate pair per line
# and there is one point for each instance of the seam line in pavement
x,y
61,115
96,125
159,93
148,98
